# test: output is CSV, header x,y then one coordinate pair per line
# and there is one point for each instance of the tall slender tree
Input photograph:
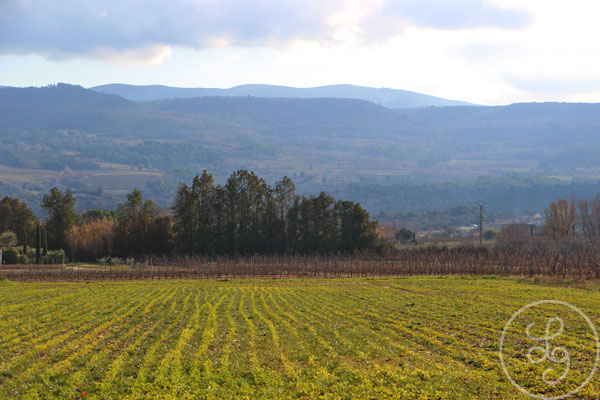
x,y
560,217
184,220
246,203
140,228
44,242
59,208
203,195
285,197
25,237
38,244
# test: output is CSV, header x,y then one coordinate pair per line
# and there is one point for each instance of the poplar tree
x,y
44,242
38,243
285,197
25,235
203,195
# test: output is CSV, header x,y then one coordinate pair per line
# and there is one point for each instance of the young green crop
x,y
396,338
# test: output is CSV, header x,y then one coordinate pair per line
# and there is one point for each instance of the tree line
x,y
247,216
242,217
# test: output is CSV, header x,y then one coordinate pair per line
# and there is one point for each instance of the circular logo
x,y
549,349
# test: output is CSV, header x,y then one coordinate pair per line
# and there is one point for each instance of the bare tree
x,y
560,217
589,214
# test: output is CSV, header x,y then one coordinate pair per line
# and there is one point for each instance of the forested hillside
x,y
507,195
104,145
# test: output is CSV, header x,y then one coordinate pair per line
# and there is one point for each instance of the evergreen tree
x,y
203,195
326,223
220,221
285,198
184,220
358,232
293,224
59,207
246,204
272,239
15,216
44,242
140,228
246,216
38,243
25,237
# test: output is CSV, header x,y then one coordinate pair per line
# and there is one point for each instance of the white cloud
x,y
94,28
458,14
482,51
66,28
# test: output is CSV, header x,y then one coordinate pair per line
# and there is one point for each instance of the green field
x,y
405,338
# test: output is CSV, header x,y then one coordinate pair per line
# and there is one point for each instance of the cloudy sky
x,y
482,51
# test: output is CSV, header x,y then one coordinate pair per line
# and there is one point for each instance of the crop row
x,y
420,338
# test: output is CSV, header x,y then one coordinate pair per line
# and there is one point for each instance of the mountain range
x,y
95,142
390,98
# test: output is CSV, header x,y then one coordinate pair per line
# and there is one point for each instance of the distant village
x,y
409,234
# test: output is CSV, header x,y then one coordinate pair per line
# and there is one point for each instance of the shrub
x,y
8,239
54,257
23,258
404,235
111,261
10,256
490,233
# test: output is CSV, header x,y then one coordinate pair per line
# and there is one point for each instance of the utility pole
x,y
480,204
480,224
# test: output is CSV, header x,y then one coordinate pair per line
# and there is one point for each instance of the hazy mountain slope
x,y
61,106
59,97
536,124
530,122
391,98
153,92
71,107
74,137
507,194
341,122
283,118
70,136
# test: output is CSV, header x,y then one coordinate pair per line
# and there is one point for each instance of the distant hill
x,y
68,107
390,98
59,98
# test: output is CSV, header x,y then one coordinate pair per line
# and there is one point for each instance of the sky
x,y
481,51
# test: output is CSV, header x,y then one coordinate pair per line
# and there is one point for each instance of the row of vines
x,y
573,258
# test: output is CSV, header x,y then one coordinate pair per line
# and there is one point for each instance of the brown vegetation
x,y
92,239
514,255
